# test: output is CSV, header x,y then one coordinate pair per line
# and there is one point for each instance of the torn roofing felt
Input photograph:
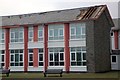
x,y
77,14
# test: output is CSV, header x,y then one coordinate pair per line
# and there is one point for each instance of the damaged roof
x,y
77,14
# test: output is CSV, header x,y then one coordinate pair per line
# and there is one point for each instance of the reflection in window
x,y
16,57
78,56
77,31
56,56
56,32
40,33
16,34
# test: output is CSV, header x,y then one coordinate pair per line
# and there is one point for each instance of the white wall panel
x,y
56,67
35,68
2,47
112,43
118,62
78,68
76,43
35,45
16,46
119,42
116,66
55,43
16,68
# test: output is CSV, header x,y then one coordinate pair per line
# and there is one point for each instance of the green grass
x,y
112,74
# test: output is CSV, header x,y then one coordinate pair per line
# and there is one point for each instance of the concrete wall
x,y
102,44
98,45
90,46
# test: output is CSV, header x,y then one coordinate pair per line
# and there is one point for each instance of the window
x,y
30,58
78,56
16,35
30,34
77,31
2,61
61,33
40,33
51,34
2,39
40,57
56,32
56,56
16,57
111,33
114,59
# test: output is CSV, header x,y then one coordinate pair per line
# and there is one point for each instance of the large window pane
x,y
61,56
78,31
83,30
21,57
72,31
2,58
40,33
72,56
51,57
12,57
56,57
30,57
16,57
40,57
78,56
84,56
51,32
61,32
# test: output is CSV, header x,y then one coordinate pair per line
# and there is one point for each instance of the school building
x,y
72,39
115,45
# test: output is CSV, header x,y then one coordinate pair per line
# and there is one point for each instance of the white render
x,y
78,68
16,46
116,65
77,43
35,68
35,45
14,68
55,44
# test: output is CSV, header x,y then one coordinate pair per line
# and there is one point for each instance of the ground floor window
x,y
40,53
2,61
113,58
30,57
78,56
16,57
56,56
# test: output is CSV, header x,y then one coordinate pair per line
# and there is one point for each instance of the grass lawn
x,y
112,74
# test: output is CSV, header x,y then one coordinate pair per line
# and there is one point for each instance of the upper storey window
x,y
2,36
30,34
16,35
56,32
77,31
40,33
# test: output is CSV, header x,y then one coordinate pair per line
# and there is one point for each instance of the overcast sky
x,y
15,7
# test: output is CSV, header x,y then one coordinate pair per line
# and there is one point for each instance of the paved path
x,y
61,79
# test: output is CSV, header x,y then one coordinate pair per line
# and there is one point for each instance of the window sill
x,y
55,40
77,40
78,66
16,42
2,43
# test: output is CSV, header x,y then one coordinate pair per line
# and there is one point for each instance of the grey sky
x,y
15,7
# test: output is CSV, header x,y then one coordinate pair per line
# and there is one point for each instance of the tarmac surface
x,y
61,79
